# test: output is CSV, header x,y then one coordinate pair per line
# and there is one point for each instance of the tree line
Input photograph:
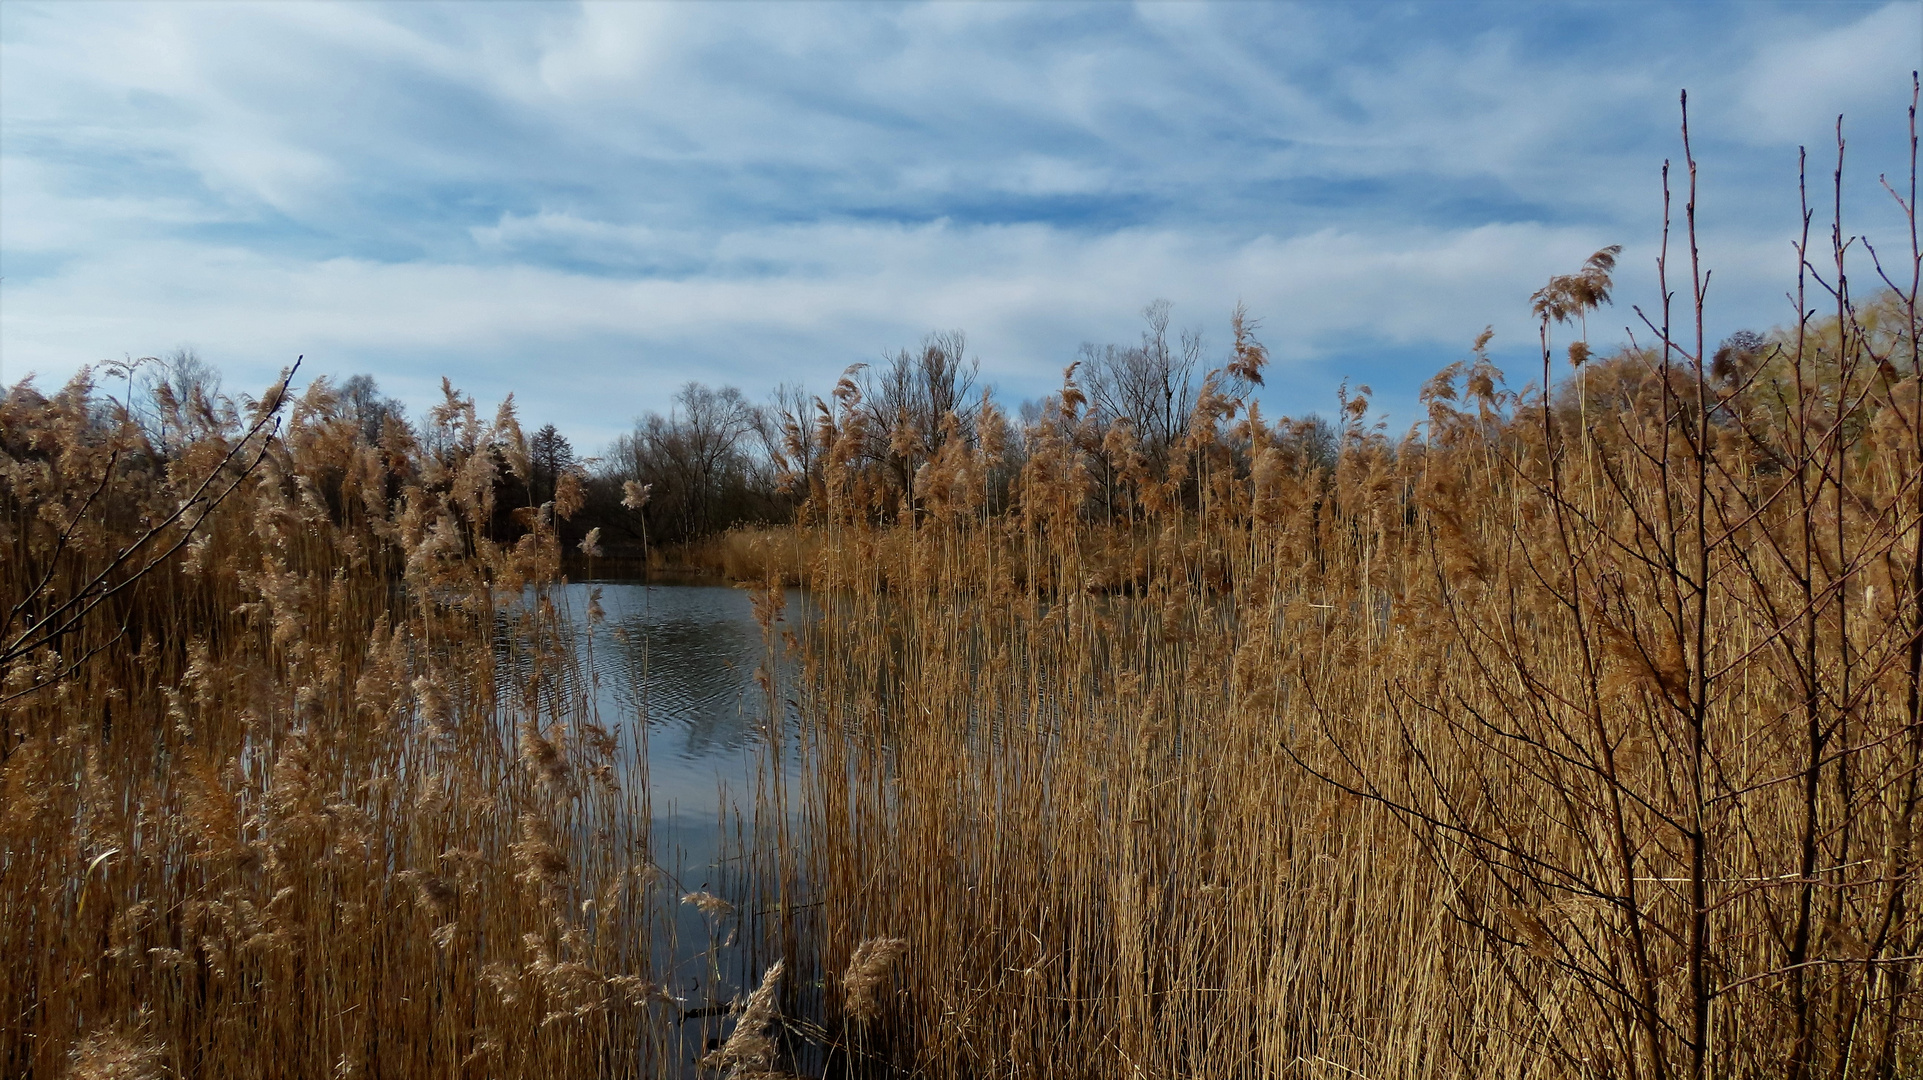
x,y
715,459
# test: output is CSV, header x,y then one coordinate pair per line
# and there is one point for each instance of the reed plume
x,y
750,1051
861,984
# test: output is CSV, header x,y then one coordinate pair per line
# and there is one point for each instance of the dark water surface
x,y
676,663
674,670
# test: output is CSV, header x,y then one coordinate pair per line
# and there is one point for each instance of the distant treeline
x,y
717,459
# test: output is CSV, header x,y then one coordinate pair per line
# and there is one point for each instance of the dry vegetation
x,y
294,781
1575,735
1578,736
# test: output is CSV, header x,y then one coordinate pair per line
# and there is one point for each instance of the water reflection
x,y
673,672
681,660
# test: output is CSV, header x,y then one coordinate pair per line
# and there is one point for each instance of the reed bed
x,y
743,554
1573,735
299,777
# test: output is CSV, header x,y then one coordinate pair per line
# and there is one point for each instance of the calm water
x,y
675,664
674,668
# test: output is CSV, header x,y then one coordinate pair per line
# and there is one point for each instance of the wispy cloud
x,y
589,205
1798,83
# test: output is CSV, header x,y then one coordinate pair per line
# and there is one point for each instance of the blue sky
x,y
590,205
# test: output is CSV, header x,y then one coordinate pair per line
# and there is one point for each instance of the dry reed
x,y
1573,735
298,777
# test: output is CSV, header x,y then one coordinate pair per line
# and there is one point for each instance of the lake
x,y
673,668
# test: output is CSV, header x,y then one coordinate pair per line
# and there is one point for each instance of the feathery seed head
x,y
861,983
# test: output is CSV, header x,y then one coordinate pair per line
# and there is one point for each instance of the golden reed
x,y
1574,734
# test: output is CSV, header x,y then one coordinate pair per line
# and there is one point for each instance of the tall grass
x,y
298,781
1576,734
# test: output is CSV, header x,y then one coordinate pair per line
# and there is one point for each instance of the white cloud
x,y
1798,84
608,50
1027,295
609,199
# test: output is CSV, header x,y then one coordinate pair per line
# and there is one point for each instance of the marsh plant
x,y
1578,732
295,782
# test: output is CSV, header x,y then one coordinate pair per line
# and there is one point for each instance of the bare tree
x,y
1700,812
789,437
371,410
1152,385
171,397
910,398
690,459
